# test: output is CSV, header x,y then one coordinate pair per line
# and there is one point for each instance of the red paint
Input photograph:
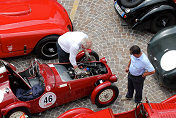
x,y
97,89
165,109
26,22
65,91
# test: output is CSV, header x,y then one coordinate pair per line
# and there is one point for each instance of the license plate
x,y
119,9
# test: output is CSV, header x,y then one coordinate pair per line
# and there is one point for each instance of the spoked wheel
x,y
161,21
46,48
17,113
93,57
106,96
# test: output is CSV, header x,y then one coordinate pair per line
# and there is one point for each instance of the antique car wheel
x,y
93,57
46,48
16,113
106,96
161,21
130,3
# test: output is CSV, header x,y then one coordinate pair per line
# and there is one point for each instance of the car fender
x,y
14,105
73,112
170,100
81,54
152,12
97,89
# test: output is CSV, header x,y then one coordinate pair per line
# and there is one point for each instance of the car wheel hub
x,y
16,114
164,22
51,50
106,95
48,49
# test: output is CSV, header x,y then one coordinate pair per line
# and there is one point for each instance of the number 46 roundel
x,y
47,100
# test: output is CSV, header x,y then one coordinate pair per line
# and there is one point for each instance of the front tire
x,y
16,113
93,55
106,96
162,20
46,48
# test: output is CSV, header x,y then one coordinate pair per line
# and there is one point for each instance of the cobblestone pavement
x,y
112,39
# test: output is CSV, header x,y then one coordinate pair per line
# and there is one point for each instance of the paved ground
x,y
112,40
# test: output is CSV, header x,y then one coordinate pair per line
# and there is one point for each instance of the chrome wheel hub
x,y
106,95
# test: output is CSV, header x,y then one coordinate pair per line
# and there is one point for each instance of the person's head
x,y
135,51
86,43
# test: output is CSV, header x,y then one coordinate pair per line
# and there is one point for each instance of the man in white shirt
x,y
138,68
69,44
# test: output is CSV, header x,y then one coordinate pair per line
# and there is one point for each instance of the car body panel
x,y
160,44
57,89
145,11
152,110
153,12
23,24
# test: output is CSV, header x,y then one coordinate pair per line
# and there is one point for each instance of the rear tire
x,y
162,20
130,3
46,48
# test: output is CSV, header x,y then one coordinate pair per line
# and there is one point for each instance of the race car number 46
x,y
47,100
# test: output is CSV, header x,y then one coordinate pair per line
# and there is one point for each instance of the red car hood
x,y
25,13
6,95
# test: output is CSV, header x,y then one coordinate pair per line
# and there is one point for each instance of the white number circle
x,y
47,100
1,96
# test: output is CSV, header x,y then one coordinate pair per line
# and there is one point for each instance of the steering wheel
x,y
34,69
141,110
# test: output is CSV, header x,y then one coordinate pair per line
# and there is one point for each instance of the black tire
x,y
130,3
162,20
111,97
93,54
16,113
46,48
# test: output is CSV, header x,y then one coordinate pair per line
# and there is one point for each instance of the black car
x,y
162,54
152,15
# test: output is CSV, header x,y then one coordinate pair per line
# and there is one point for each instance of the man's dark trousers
x,y
135,83
62,55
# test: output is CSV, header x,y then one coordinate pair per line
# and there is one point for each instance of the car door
x,y
82,87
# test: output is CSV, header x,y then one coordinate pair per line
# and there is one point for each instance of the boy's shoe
x,y
125,98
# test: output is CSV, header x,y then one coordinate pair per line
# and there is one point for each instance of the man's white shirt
x,y
70,42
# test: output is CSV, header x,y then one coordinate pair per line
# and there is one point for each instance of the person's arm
x,y
148,73
72,57
127,69
149,69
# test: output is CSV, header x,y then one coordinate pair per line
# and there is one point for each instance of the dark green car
x,y
162,54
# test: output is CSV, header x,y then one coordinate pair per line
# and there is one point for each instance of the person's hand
x,y
87,55
79,71
127,70
144,74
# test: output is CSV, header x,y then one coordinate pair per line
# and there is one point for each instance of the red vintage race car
x,y
31,25
165,109
43,86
